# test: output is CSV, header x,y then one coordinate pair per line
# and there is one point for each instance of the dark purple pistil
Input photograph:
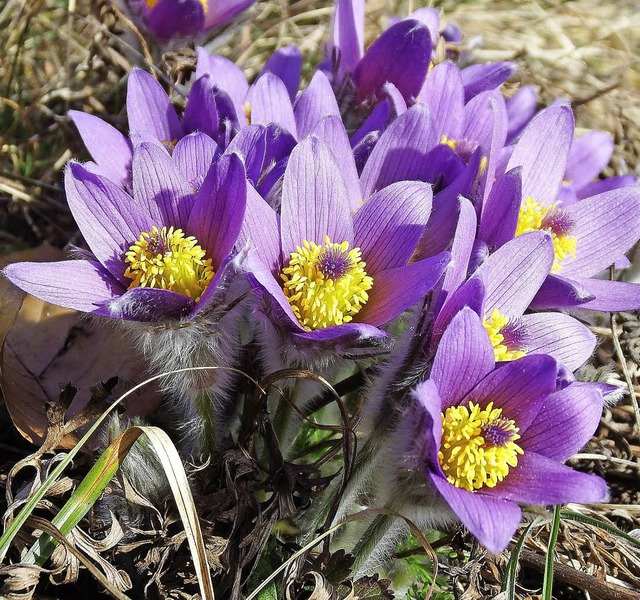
x,y
498,433
334,263
558,222
156,244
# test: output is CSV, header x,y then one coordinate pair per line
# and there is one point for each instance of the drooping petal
x,y
111,150
559,335
400,152
159,187
463,358
567,420
150,109
286,64
396,290
605,226
518,387
492,520
314,198
76,284
400,55
542,152
219,208
315,102
609,296
389,225
481,78
513,274
107,216
270,103
542,481
194,155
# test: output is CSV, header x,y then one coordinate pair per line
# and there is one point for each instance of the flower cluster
x,y
397,209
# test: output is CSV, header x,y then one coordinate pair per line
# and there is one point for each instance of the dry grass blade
x,y
174,470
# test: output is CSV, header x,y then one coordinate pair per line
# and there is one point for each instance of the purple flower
x,y
330,274
160,253
488,439
168,19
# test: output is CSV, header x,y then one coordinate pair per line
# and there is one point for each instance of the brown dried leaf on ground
x,y
45,347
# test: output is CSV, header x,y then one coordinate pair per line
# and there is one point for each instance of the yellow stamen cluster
x,y
494,324
166,259
453,145
532,218
324,298
468,455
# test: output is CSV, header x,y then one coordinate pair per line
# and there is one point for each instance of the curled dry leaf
x,y
45,347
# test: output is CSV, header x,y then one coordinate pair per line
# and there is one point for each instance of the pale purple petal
x,y
401,56
513,274
194,155
604,185
270,103
429,17
567,420
111,150
389,225
396,290
590,154
609,296
518,387
348,333
444,94
315,102
560,292
76,284
159,187
520,108
347,39
219,208
543,481
286,64
559,335
150,109
463,358
400,152
492,520
542,152
226,75
218,13
605,226
108,217
314,198
481,78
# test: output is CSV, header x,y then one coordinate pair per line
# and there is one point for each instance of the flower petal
x,y
560,292
400,152
76,284
481,78
194,155
396,290
609,296
567,420
348,333
225,74
559,335
286,64
518,387
388,227
149,108
270,103
400,55
219,208
589,155
520,108
463,358
492,520
347,35
315,102
111,150
542,152
201,112
539,480
149,304
500,212
108,217
444,94
314,198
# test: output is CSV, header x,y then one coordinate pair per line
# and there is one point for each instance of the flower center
x,y
537,217
478,446
464,149
168,260
505,336
326,285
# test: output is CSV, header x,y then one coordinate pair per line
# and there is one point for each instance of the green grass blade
x,y
509,581
547,584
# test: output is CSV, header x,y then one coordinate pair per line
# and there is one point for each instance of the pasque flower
x,y
488,439
159,253
332,275
167,19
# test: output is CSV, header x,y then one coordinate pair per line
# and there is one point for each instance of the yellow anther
x,y
326,285
166,259
494,324
478,446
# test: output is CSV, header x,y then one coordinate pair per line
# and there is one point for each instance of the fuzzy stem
x,y
369,545
205,422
